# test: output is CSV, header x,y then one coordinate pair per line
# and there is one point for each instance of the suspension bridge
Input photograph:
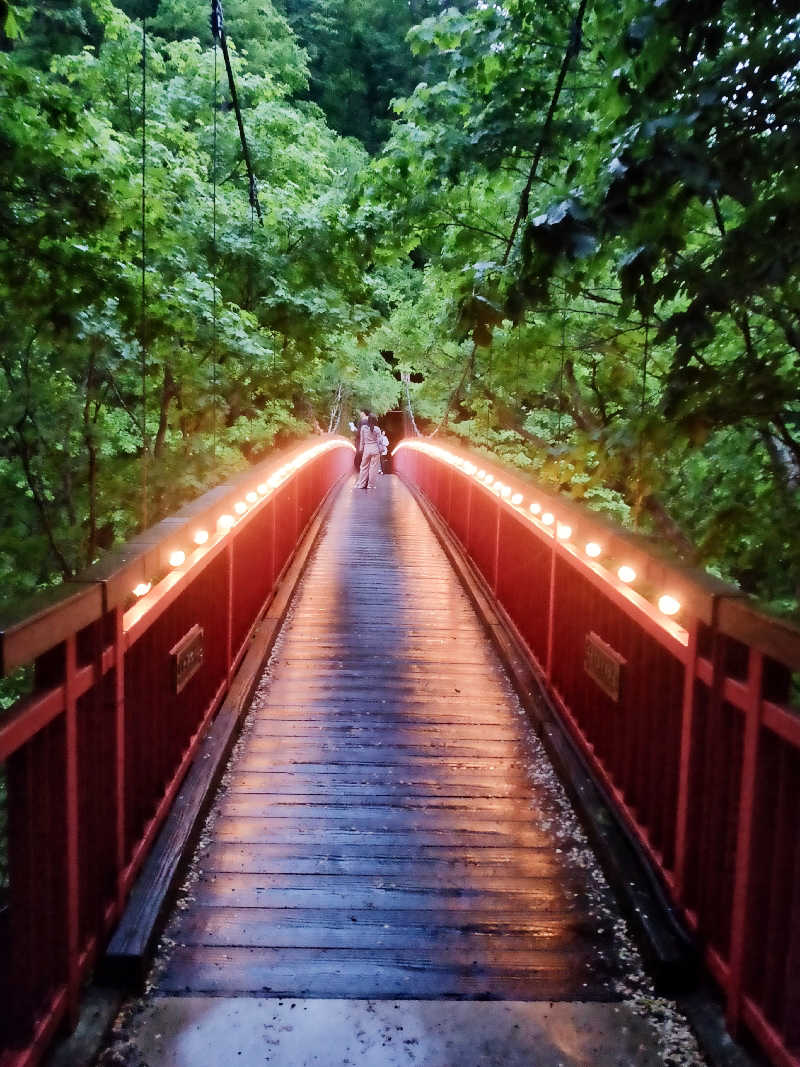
x,y
385,833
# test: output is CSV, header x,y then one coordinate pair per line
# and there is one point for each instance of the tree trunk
x,y
169,390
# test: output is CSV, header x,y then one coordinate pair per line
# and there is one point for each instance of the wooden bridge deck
x,y
380,836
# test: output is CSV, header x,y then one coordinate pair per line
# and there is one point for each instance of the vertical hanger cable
x,y
143,323
214,352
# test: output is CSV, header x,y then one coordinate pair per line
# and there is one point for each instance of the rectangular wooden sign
x,y
187,657
603,665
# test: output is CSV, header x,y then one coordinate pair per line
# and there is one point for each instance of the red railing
x,y
94,757
683,714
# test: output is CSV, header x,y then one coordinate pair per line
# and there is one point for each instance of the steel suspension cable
x,y
143,322
218,32
214,352
642,402
563,350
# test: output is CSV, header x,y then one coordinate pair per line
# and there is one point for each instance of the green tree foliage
x,y
580,240
358,59
600,197
236,343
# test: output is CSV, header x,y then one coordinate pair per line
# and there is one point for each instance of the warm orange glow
x,y
263,489
240,507
142,589
176,558
669,605
251,498
595,550
225,522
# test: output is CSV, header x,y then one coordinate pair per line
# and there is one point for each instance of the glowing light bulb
x,y
263,489
626,574
535,508
563,532
480,475
225,522
469,468
516,499
669,605
488,479
251,498
142,589
505,492
176,558
240,507
593,549
200,537
548,519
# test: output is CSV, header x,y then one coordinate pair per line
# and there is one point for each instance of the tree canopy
x,y
574,225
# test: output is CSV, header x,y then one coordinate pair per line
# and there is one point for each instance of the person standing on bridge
x,y
370,440
362,421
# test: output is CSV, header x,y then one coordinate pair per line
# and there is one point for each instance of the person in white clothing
x,y
370,441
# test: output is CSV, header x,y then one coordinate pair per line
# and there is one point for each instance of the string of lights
x,y
202,535
545,520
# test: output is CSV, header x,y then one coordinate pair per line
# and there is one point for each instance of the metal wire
x,y
214,352
642,402
143,323
561,368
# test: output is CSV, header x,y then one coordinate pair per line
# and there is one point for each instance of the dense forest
x,y
573,225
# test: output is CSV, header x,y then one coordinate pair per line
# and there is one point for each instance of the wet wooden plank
x,y
379,816
262,831
314,805
228,971
380,836
474,932
356,784
450,866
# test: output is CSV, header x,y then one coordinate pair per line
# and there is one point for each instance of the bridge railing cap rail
x,y
709,599
36,624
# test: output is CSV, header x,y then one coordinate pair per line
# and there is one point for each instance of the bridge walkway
x,y
381,835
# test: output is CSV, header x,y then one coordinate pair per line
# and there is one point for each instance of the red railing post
x,y
468,519
72,932
685,760
551,614
744,837
496,561
119,755
229,578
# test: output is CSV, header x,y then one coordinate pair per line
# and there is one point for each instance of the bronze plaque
x,y
187,657
603,665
